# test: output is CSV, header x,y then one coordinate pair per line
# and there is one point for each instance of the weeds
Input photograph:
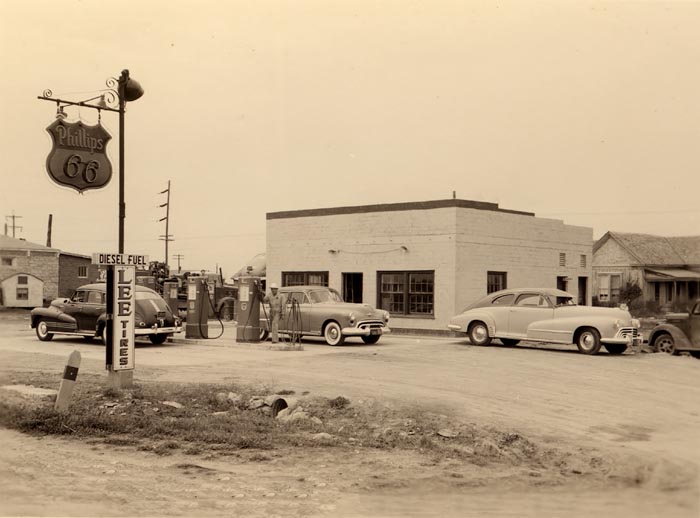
x,y
138,418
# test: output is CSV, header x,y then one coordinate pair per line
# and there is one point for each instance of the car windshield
x,y
321,296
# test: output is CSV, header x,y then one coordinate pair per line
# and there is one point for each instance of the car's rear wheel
x,y
42,331
157,339
510,342
263,334
664,343
333,334
479,334
615,348
588,341
371,339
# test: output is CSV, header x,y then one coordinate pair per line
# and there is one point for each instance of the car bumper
x,y
356,331
155,330
636,341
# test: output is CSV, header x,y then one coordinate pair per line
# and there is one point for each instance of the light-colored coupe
x,y
547,315
321,311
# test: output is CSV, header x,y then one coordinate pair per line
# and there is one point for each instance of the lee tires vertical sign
x,y
123,323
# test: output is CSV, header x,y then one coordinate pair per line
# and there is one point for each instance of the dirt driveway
x,y
643,406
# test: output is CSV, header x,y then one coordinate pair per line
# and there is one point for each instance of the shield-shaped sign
x,y
78,158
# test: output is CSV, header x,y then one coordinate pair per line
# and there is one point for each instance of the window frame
x,y
7,261
306,275
82,269
25,293
493,273
406,293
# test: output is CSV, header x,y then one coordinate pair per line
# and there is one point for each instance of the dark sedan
x,y
84,315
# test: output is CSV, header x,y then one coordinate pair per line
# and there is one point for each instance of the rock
x,y
256,403
302,495
316,420
221,397
283,413
173,404
321,484
110,404
234,398
323,436
446,432
220,413
296,416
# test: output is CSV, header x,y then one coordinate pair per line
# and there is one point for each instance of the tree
x,y
630,292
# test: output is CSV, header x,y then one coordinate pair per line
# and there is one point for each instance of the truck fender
x,y
678,335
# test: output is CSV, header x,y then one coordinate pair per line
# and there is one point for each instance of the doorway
x,y
352,287
582,291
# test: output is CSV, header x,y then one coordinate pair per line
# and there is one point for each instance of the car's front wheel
x,y
157,339
333,334
42,331
371,339
615,348
664,343
588,341
479,334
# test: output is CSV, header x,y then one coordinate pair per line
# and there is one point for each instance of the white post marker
x,y
70,374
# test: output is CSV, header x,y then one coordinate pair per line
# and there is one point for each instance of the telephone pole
x,y
178,257
167,237
14,224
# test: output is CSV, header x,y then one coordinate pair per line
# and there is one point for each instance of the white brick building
x,y
425,261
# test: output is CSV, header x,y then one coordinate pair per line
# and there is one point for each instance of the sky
x,y
586,112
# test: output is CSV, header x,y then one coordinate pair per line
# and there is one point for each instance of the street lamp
x,y
128,90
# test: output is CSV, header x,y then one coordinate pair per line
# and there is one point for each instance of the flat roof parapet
x,y
394,207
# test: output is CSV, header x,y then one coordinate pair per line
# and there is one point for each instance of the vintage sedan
x,y
678,332
84,315
321,311
547,315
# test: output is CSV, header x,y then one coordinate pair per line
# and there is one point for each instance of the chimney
x,y
48,233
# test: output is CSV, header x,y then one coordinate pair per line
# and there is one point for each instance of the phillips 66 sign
x,y
78,158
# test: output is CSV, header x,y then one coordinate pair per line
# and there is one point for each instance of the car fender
x,y
482,316
682,341
51,313
220,304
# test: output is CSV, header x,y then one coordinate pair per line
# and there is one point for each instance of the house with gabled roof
x,y
667,269
31,274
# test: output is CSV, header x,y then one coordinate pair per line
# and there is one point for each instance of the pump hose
x,y
199,323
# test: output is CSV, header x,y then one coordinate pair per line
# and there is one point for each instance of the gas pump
x,y
197,309
170,296
248,309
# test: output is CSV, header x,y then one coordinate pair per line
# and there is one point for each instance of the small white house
x,y
22,290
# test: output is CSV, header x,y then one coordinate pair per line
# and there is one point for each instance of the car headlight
x,y
636,323
386,316
351,318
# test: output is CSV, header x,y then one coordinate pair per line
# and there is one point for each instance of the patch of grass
x,y
137,417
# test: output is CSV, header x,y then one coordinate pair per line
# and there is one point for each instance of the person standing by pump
x,y
276,302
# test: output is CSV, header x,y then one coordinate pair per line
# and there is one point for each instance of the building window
x,y
496,281
562,259
22,293
609,285
82,272
304,278
7,261
406,293
583,260
22,279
